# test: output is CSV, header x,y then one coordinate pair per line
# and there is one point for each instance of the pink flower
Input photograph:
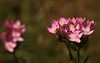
x,y
16,36
10,46
86,30
74,21
19,27
63,21
81,21
73,27
63,32
91,24
17,24
75,36
55,27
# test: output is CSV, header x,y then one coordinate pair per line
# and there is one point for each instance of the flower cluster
x,y
72,28
12,34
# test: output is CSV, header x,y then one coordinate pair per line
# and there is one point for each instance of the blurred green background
x,y
39,45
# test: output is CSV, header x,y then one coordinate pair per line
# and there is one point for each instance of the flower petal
x,y
80,35
14,39
50,30
90,32
78,40
20,39
71,35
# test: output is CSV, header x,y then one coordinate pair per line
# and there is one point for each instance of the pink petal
x,y
7,47
71,27
20,39
23,30
50,30
77,27
90,32
88,28
14,34
78,40
7,23
66,22
80,35
83,28
18,23
53,25
22,26
10,50
77,32
56,23
14,39
13,45
72,39
71,35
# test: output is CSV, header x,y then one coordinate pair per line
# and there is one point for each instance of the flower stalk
x,y
78,54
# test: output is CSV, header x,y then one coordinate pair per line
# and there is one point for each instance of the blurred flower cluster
x,y
13,33
74,31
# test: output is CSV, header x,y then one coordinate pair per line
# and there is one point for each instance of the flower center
x,y
85,32
9,45
75,33
80,20
61,24
73,27
54,30
89,22
75,37
72,30
85,28
61,21
73,20
54,26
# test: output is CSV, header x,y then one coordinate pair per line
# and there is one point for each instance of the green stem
x,y
78,54
15,57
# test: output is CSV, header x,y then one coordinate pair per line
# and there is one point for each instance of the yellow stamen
x,y
75,32
85,32
61,24
72,30
80,20
85,28
54,26
73,27
75,37
89,22
61,21
73,20
9,45
54,30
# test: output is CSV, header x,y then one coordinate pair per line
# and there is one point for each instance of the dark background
x,y
39,45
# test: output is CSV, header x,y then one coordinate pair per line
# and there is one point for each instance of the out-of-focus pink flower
x,y
86,30
13,34
75,36
16,36
17,26
10,46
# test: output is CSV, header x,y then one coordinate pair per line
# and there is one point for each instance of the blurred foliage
x,y
39,45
